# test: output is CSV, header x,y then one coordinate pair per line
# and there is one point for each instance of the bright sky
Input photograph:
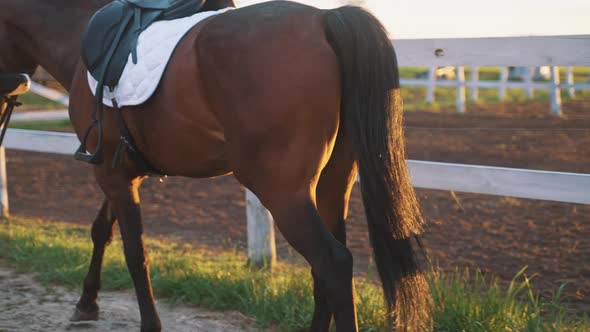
x,y
473,18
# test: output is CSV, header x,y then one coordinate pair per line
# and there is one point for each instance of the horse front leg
x,y
102,235
122,192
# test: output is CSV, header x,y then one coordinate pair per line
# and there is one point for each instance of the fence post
x,y
431,86
555,91
460,79
261,233
569,79
503,80
3,185
473,90
528,79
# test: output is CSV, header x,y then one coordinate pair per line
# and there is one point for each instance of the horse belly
x,y
182,140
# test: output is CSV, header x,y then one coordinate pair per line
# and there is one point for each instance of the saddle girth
x,y
127,144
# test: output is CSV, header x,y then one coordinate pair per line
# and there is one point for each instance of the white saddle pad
x,y
154,49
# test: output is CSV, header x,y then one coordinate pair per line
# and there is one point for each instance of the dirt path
x,y
27,306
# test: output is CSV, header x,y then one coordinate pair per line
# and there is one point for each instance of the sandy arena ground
x,y
27,306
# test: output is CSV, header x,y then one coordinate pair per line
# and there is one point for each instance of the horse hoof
x,y
156,328
80,316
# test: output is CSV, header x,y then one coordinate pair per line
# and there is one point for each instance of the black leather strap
x,y
127,144
5,118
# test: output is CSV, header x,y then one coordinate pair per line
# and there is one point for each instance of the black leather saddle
x,y
109,38
112,33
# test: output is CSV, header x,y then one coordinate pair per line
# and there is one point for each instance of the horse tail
x,y
371,110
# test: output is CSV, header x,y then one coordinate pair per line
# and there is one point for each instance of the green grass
x,y
51,125
33,101
581,74
59,253
414,97
470,302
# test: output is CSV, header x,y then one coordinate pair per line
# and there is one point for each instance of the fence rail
x,y
554,86
571,50
502,181
50,94
515,182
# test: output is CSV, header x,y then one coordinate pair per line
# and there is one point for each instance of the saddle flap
x,y
100,34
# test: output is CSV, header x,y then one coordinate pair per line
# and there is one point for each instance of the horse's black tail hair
x,y
372,113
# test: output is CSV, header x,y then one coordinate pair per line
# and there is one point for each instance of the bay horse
x,y
292,100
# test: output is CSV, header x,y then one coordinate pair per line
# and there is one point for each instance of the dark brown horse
x,y
292,100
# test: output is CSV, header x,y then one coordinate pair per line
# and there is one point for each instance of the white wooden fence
x,y
554,86
503,52
517,51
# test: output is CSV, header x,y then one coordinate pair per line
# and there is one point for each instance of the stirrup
x,y
82,154
95,158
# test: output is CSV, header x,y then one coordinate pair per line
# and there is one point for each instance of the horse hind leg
x,y
300,223
333,194
319,235
102,235
322,313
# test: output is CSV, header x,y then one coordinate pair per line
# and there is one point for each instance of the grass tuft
x,y
51,125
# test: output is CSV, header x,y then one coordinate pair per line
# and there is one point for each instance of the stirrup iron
x,y
82,153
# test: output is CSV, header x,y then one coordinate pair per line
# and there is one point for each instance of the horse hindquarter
x,y
273,80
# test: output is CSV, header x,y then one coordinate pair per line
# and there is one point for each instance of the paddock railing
x,y
459,82
502,51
